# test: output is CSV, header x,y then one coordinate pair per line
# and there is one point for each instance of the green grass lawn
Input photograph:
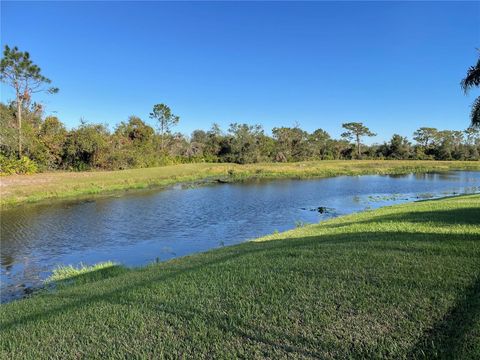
x,y
16,189
398,282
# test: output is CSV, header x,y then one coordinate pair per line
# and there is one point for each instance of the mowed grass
x,y
398,282
22,189
72,274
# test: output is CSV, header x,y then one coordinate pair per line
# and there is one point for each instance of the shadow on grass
x,y
449,333
446,338
90,276
285,342
463,216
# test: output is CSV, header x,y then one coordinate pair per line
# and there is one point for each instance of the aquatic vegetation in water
x,y
321,209
425,196
387,197
167,250
300,223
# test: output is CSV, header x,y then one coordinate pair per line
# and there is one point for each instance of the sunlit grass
x,y
65,273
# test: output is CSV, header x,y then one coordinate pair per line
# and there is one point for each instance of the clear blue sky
x,y
393,66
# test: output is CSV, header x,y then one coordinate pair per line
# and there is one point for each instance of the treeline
x,y
30,142
48,145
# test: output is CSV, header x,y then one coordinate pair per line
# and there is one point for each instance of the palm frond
x,y
473,77
475,114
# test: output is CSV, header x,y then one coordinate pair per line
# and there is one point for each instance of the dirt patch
x,y
24,180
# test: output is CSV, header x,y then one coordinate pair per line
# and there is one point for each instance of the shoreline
x,y
17,190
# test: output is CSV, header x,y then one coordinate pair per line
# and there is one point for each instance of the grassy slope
x,y
397,282
21,189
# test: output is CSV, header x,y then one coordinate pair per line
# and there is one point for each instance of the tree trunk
x,y
162,138
19,123
358,147
161,141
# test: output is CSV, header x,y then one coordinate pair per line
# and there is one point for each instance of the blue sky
x,y
393,66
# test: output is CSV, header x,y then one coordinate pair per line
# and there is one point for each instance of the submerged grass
x,y
15,190
397,282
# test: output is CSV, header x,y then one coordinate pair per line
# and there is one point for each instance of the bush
x,y
10,166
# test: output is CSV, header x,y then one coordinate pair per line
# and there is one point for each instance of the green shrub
x,y
10,166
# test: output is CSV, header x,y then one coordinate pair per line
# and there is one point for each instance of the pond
x,y
150,226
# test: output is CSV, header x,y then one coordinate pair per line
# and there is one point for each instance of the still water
x,y
158,225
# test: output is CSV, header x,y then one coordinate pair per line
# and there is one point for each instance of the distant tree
x,y
135,130
319,144
133,145
18,71
207,144
399,147
166,120
371,152
292,143
425,138
52,134
32,145
178,145
87,146
199,136
341,149
355,131
448,145
245,143
472,79
214,143
8,131
472,135
472,141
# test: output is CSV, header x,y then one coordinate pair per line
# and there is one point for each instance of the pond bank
x,y
17,190
397,282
